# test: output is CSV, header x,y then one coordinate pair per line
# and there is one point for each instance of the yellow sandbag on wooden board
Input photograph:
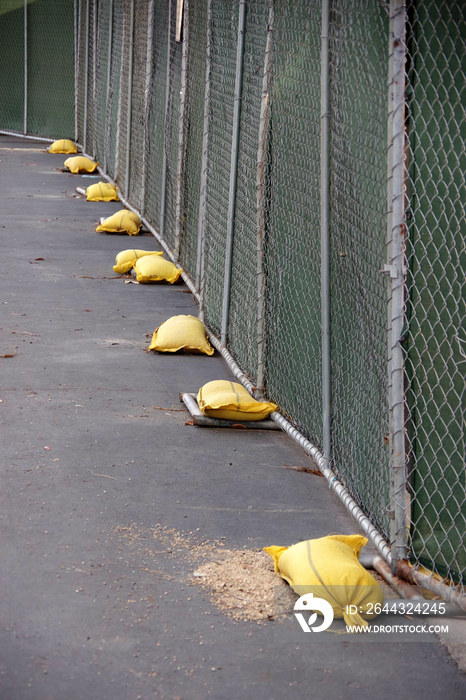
x,y
63,146
329,568
181,333
232,401
125,260
80,164
123,221
102,192
149,269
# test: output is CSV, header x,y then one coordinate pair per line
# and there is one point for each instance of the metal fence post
x,y
118,122
25,105
95,115
109,69
233,172
130,99
395,270
260,198
77,34
150,49
86,77
167,101
199,281
182,127
325,236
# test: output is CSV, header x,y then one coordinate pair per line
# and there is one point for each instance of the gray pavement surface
x,y
97,462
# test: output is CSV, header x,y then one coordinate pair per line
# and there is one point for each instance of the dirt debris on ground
x,y
241,583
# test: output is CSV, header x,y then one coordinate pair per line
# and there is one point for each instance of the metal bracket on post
x,y
233,172
394,268
390,270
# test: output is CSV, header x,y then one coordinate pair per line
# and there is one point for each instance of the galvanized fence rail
x,y
304,161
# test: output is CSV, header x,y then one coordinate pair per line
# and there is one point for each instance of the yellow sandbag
x,y
231,401
80,164
329,568
123,221
149,269
102,192
63,146
125,260
181,333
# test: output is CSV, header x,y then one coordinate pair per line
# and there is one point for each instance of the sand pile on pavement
x,y
243,584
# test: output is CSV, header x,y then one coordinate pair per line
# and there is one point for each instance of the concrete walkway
x,y
107,490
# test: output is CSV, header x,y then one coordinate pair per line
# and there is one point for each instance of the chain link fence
x,y
156,106
223,39
358,227
242,321
102,37
434,342
195,33
304,161
170,161
292,245
37,58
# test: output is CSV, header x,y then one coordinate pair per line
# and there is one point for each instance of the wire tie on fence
x,y
460,341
